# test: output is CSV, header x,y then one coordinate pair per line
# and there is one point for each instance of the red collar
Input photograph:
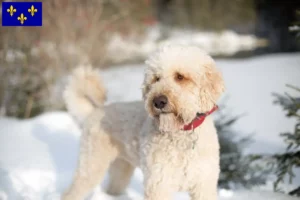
x,y
199,119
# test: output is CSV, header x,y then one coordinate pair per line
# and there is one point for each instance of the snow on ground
x,y
135,47
224,43
38,155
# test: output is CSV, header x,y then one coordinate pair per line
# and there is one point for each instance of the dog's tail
x,y
84,92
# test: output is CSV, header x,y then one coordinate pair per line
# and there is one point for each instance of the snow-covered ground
x,y
224,43
38,156
137,47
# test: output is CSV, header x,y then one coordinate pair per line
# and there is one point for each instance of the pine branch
x,y
284,164
295,192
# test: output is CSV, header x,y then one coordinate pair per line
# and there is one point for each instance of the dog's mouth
x,y
165,113
159,112
169,121
172,114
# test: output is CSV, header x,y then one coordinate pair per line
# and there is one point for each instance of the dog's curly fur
x,y
122,136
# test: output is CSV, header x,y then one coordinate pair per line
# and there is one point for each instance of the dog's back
x,y
84,97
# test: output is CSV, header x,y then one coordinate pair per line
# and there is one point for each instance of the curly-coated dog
x,y
170,135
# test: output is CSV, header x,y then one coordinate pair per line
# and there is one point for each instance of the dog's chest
x,y
178,153
184,159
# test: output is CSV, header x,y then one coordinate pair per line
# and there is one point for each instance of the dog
x,y
170,135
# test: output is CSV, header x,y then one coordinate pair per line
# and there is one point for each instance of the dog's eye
x,y
157,79
179,77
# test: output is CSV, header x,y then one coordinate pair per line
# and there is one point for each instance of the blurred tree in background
x,y
237,169
206,14
284,164
32,59
295,27
266,19
273,17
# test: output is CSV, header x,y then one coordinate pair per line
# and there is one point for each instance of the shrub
x,y
33,59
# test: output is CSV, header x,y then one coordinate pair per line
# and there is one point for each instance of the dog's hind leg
x,y
120,173
97,150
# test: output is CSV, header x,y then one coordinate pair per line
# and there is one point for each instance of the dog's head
x,y
180,81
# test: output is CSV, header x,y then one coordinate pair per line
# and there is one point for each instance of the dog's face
x,y
180,81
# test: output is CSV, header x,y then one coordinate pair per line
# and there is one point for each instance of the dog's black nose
x,y
160,101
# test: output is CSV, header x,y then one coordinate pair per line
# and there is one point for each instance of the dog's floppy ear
x,y
212,86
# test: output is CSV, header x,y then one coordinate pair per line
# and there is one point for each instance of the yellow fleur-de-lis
x,y
11,10
22,18
32,10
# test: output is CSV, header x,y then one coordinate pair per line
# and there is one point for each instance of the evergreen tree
x,y
289,160
284,164
237,170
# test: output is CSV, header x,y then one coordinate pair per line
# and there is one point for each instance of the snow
x,y
38,155
224,43
294,28
136,47
245,195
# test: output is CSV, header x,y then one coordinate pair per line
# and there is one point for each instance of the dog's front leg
x,y
204,194
156,187
205,189
158,179
155,162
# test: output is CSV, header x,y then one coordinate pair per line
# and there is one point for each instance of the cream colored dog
x,y
170,135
